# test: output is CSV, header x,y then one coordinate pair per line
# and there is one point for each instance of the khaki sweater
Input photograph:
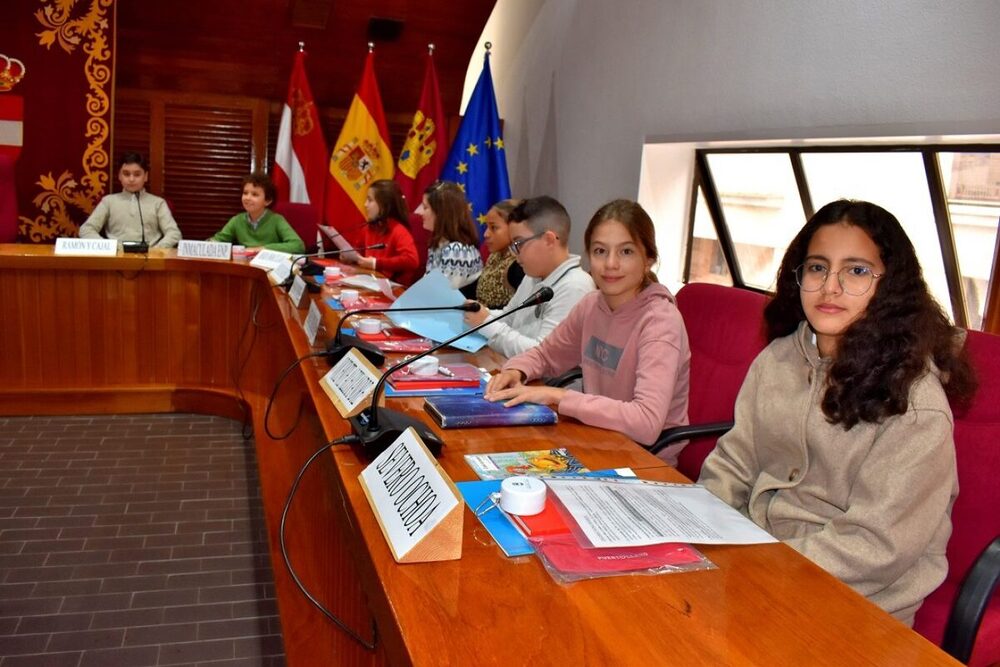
x,y
870,505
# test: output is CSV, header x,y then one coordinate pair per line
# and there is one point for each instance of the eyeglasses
x,y
515,246
854,280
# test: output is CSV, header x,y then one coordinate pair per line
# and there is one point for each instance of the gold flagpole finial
x,y
371,46
430,48
302,47
488,45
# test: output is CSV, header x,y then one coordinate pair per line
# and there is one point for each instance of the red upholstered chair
x,y
725,327
304,219
952,614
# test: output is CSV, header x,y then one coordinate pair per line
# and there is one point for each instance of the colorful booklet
x,y
475,411
393,392
395,339
498,465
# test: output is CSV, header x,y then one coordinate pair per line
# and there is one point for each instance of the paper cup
x,y
239,250
331,273
349,296
370,325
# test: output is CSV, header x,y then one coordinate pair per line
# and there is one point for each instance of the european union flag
x,y
477,161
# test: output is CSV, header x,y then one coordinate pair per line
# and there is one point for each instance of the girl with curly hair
x,y
842,446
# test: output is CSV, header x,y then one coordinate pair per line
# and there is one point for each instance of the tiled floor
x,y
132,540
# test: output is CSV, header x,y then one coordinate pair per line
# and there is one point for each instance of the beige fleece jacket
x,y
870,505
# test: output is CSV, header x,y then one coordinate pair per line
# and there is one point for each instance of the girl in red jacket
x,y
386,212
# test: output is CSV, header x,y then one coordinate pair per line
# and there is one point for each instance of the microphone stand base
x,y
391,425
135,246
335,352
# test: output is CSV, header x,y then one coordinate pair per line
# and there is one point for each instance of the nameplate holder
x,y
86,247
204,249
416,504
269,260
297,291
350,383
280,273
313,319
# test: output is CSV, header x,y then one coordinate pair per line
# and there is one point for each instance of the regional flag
x,y
422,157
360,156
300,157
477,161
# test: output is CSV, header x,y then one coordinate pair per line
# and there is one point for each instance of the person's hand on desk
x,y
478,317
367,263
522,393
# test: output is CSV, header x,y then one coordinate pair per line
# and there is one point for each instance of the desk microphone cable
x,y
369,645
274,392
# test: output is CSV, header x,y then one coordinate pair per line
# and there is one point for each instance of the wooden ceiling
x,y
235,47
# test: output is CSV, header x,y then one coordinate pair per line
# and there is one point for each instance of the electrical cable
x,y
288,563
274,392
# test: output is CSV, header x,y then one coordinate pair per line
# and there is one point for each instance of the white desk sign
x,y
350,383
280,273
86,247
269,259
312,322
415,502
298,291
204,249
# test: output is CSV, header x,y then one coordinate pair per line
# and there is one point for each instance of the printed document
x,y
626,513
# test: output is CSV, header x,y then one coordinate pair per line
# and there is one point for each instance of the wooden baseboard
x,y
123,400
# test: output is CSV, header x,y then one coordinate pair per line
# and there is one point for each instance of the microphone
x,y
341,343
377,434
313,269
140,246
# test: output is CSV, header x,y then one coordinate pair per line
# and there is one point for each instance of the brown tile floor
x,y
132,540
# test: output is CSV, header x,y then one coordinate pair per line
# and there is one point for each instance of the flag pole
x,y
302,47
430,49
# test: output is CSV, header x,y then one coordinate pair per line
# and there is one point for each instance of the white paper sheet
x,y
622,513
435,290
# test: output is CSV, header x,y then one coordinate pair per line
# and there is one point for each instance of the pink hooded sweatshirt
x,y
635,363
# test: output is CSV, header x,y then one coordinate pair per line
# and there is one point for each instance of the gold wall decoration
x,y
92,31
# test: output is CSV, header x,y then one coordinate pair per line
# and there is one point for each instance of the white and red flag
x,y
300,157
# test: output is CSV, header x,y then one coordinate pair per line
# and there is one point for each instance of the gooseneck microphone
x,y
342,343
137,246
313,269
379,428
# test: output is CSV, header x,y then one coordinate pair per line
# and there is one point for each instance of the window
x,y
749,201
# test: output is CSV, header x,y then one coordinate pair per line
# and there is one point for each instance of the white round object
x,y
331,272
522,495
370,325
426,366
348,296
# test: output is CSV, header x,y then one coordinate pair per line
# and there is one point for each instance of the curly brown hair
x,y
885,351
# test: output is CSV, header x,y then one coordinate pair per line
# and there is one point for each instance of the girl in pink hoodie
x,y
628,338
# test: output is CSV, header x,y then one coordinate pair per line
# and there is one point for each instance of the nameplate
x,y
313,320
297,291
279,274
350,383
87,247
204,249
270,259
416,503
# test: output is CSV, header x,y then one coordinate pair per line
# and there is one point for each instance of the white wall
x,y
582,84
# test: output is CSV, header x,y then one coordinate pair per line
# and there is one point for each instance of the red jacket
x,y
398,261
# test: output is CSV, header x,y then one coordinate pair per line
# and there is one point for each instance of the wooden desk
x,y
133,334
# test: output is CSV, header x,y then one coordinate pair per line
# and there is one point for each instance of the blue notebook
x,y
476,411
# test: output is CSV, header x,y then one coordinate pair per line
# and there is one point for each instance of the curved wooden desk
x,y
135,334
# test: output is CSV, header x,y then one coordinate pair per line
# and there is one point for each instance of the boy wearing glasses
x,y
539,233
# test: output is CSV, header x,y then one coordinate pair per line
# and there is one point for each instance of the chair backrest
x,y
420,237
976,514
304,219
725,327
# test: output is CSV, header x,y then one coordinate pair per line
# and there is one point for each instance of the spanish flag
x,y
361,155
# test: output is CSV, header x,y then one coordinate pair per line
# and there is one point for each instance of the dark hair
x,y
389,199
543,214
264,182
886,350
132,157
636,221
451,211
